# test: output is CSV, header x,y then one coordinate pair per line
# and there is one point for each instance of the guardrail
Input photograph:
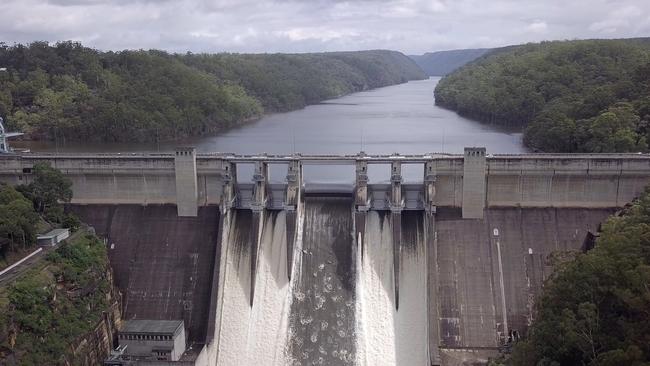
x,y
8,269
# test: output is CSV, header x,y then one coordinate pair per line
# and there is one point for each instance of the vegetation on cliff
x,y
57,302
570,96
17,220
24,208
69,92
595,310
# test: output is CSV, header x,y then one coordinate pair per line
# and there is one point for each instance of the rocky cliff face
x,y
65,310
93,347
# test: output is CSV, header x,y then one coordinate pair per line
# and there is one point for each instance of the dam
x,y
438,271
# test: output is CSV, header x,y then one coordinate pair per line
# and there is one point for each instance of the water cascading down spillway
x,y
253,331
326,282
388,335
322,321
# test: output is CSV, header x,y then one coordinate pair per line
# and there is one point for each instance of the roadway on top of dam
x,y
342,159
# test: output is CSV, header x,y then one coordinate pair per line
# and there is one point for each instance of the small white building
x,y
53,238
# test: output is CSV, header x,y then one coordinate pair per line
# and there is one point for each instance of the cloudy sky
x,y
410,26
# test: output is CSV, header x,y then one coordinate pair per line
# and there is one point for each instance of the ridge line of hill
x,y
66,91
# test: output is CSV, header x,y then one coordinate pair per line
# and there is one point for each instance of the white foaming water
x,y
375,296
386,336
256,336
412,328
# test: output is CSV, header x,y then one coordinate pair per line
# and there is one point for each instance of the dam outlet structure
x,y
434,272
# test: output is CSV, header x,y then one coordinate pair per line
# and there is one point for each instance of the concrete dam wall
x,y
433,273
471,181
163,264
338,306
487,283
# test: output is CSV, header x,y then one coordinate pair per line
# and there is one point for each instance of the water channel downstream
x,y
396,119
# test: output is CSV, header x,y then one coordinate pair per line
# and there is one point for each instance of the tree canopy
x,y
69,92
20,207
17,219
49,188
568,96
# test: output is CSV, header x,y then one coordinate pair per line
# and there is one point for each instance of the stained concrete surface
x,y
469,290
411,346
322,317
163,264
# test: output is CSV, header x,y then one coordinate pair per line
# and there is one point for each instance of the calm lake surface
x,y
396,119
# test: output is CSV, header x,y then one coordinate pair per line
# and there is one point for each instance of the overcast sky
x,y
410,26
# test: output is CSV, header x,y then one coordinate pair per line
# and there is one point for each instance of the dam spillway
x,y
253,331
388,335
437,272
322,324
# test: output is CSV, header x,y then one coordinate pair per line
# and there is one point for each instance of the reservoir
x,y
396,119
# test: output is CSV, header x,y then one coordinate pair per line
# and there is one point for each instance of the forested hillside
x,y
570,96
283,82
444,62
70,92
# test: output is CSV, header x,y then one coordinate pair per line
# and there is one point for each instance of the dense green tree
x,y
554,130
17,219
615,131
48,191
561,93
68,92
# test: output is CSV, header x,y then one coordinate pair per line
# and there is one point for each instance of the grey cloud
x,y
100,2
411,26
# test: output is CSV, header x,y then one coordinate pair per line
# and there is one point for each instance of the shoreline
x,y
49,145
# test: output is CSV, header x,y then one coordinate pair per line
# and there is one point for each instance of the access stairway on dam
x,y
452,263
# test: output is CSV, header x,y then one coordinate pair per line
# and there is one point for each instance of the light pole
x,y
501,285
